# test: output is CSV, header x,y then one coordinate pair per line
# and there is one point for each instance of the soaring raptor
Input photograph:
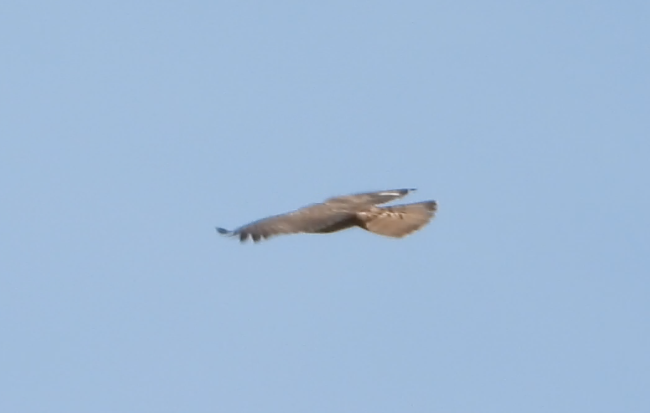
x,y
343,212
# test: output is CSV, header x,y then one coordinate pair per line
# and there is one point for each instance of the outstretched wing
x,y
311,219
369,198
397,221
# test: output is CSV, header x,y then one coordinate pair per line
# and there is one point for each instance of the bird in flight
x,y
343,212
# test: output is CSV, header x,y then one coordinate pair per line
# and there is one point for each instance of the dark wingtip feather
x,y
405,191
223,231
401,191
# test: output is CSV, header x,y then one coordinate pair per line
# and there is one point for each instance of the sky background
x,y
128,130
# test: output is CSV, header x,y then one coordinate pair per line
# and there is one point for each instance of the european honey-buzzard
x,y
343,212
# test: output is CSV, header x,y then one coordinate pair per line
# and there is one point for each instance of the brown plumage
x,y
343,212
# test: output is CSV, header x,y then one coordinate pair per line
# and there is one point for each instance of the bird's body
x,y
343,212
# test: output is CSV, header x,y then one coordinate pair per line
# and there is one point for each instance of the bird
x,y
343,212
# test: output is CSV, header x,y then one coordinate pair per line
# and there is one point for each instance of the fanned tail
x,y
400,220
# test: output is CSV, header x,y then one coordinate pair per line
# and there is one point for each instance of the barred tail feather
x,y
401,220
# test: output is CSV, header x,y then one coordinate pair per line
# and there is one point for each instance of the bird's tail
x,y
400,220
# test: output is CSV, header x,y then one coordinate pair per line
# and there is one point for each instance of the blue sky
x,y
129,130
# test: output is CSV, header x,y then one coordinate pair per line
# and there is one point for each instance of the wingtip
x,y
223,231
406,191
398,192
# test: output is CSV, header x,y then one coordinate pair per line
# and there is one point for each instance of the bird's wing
x,y
398,221
369,198
310,219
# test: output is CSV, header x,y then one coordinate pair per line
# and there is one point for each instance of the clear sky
x,y
128,130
